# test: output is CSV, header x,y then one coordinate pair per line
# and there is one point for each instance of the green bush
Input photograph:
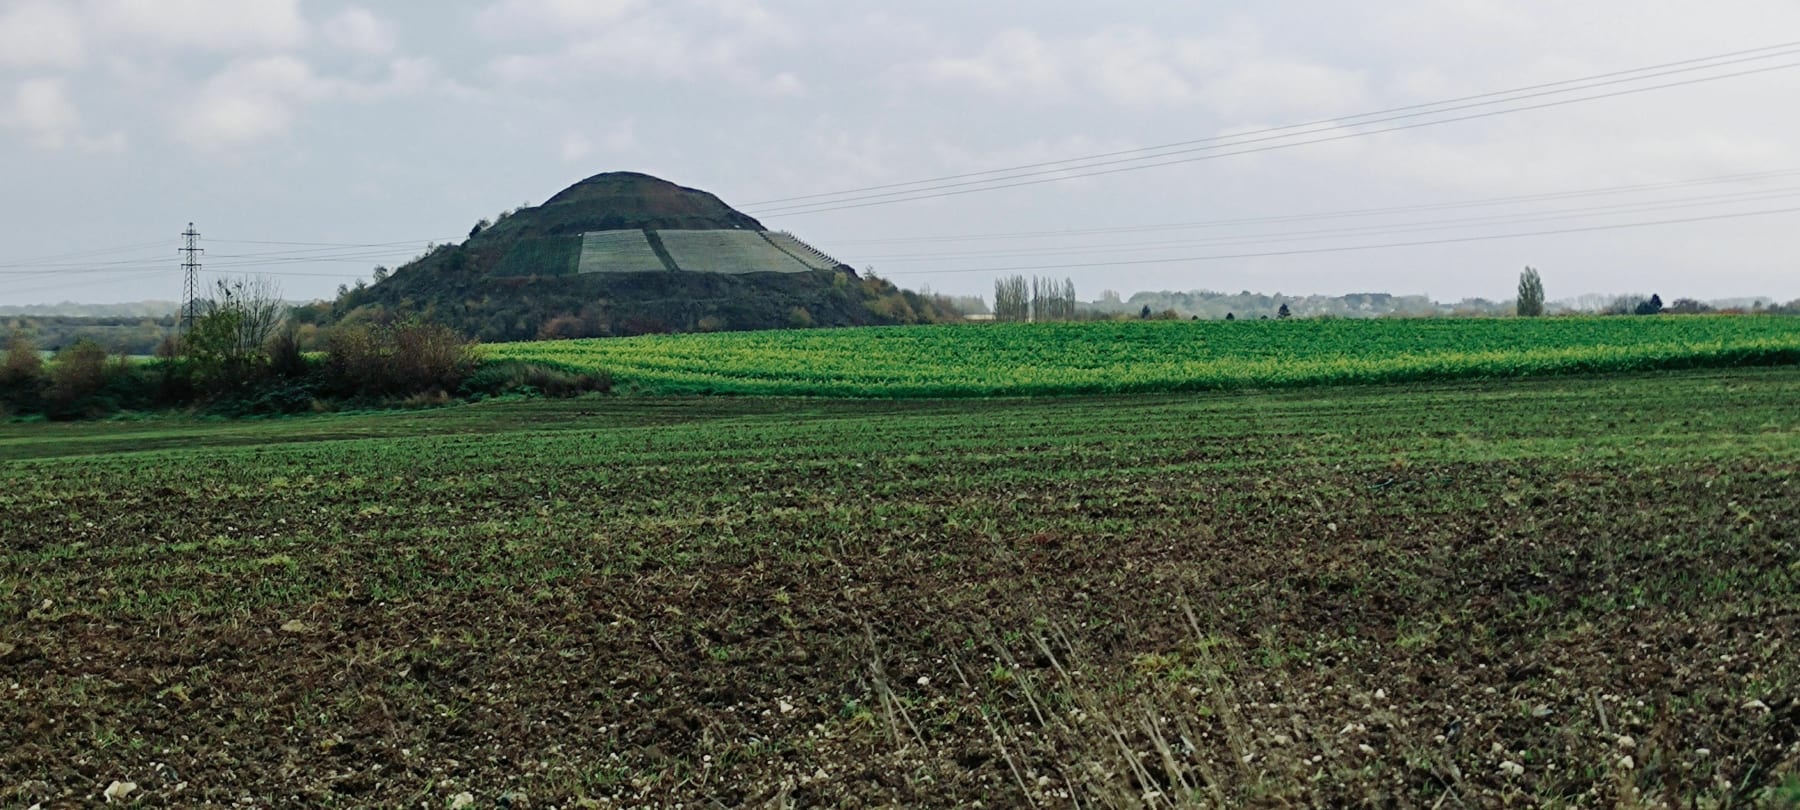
x,y
77,375
395,360
286,359
21,375
504,377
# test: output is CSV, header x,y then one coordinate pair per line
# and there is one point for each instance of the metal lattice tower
x,y
190,266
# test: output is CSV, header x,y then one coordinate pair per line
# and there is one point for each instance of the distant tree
x,y
1654,306
1230,317
380,274
1012,300
1531,294
480,226
1145,314
968,304
1624,305
1686,306
1284,313
343,290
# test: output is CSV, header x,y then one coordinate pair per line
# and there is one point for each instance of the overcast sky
x,y
315,121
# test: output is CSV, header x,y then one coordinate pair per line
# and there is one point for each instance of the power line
x,y
335,244
241,260
1366,230
94,273
54,260
117,276
956,189
1352,248
1338,214
91,281
1786,46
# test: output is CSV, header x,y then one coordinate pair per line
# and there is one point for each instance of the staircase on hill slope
x,y
802,251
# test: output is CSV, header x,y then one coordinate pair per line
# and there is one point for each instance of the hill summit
x,y
623,200
624,253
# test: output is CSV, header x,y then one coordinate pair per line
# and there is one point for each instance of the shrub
x,y
399,359
519,377
23,365
21,375
286,359
563,327
77,375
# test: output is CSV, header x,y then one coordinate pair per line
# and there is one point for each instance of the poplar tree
x,y
1531,294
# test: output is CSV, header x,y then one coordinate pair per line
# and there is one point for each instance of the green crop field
x,y
1566,591
1162,356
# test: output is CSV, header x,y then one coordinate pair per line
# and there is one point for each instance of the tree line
x,y
1530,303
243,355
1017,299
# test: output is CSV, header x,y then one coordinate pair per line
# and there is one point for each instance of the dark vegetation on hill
x,y
446,287
511,279
615,201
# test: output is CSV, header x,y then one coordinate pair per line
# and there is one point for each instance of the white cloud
x,y
1132,67
783,84
511,17
358,29
1138,67
750,19
687,40
40,34
41,107
255,99
249,101
1015,61
1284,89
219,25
577,146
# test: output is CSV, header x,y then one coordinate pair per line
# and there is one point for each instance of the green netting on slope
x,y
624,251
728,252
544,256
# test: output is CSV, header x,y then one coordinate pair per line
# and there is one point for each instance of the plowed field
x,y
1579,591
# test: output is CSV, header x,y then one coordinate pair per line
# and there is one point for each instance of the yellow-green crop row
x,y
1115,357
